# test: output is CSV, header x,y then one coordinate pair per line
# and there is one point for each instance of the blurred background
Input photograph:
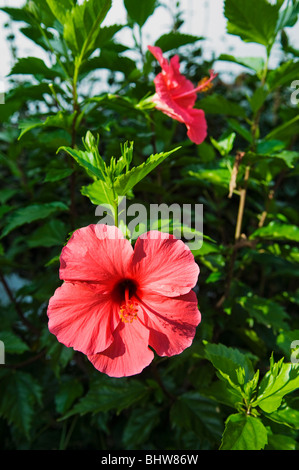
x,y
201,17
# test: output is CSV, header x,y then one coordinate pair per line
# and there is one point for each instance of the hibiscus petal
x,y
129,353
97,253
197,126
171,321
82,317
163,264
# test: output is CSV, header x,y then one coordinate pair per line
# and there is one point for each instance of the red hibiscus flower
x,y
116,302
175,95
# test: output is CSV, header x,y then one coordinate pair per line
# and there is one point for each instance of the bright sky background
x,y
202,18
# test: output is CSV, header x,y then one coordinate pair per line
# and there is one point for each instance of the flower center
x,y
128,308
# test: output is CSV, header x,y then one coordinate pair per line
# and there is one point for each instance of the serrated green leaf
x,y
100,194
139,426
26,215
62,120
196,413
89,159
244,432
280,380
22,395
228,360
125,182
32,66
109,395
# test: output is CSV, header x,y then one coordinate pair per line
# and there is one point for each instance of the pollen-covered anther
x,y
128,312
205,83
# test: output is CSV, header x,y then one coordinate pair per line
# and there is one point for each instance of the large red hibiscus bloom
x,y
176,96
118,304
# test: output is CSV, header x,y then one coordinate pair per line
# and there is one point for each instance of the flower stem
x,y
243,192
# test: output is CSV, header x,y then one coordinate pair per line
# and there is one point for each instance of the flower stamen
x,y
203,85
128,311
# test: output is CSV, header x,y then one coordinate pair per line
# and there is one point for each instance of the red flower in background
x,y
117,301
175,95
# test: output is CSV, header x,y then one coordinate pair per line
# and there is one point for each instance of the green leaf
x,y
288,16
218,104
33,66
12,343
125,182
285,131
287,413
196,413
139,12
109,395
281,442
225,144
227,361
174,40
283,75
100,193
57,174
30,214
277,231
69,390
52,233
62,120
18,403
286,338
82,25
264,311
258,98
256,64
60,8
280,380
89,159
252,20
139,426
244,432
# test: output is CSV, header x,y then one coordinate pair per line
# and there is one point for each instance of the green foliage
x,y
79,130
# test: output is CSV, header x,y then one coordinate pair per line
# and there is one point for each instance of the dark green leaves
x,y
21,399
109,395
